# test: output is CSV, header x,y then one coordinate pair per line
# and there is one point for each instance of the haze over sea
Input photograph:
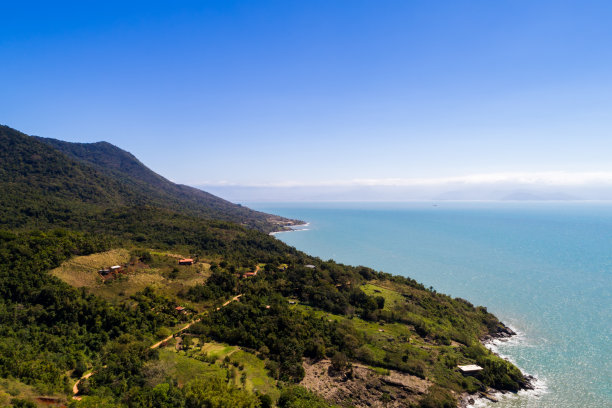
x,y
543,268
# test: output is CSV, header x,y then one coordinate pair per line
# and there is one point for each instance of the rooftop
x,y
470,368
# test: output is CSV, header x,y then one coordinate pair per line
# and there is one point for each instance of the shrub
x,y
438,397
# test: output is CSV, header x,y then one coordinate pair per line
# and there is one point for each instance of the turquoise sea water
x,y
543,268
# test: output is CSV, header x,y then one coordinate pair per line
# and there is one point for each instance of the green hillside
x,y
124,167
44,182
252,323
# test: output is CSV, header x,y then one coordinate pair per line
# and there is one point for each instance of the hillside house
x,y
111,272
185,261
470,369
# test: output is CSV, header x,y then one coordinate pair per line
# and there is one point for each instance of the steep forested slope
x,y
45,182
124,166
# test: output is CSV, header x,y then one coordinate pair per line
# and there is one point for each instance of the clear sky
x,y
314,92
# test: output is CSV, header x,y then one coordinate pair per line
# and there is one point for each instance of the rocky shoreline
x,y
491,394
294,225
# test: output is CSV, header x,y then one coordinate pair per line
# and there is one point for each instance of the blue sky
x,y
318,92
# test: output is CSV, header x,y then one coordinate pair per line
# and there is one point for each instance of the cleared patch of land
x,y
365,387
257,378
11,388
392,298
217,351
161,273
82,271
239,367
185,368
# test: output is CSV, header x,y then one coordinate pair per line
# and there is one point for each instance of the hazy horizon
x,y
532,187
245,194
392,100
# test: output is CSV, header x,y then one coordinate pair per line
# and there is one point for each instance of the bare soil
x,y
365,388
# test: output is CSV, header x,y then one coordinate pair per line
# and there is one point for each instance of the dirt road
x,y
75,388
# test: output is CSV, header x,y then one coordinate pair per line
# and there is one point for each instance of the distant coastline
x,y
300,226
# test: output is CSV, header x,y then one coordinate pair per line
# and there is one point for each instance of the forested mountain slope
x,y
45,181
264,315
124,166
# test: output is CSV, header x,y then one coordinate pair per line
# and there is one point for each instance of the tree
x,y
21,403
266,401
214,393
339,362
299,397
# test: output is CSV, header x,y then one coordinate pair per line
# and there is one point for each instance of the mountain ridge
x,y
55,172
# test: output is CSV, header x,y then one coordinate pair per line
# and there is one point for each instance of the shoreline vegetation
x,y
504,332
534,385
72,212
297,226
492,394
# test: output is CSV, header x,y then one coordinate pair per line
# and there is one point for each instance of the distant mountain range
x,y
529,196
401,193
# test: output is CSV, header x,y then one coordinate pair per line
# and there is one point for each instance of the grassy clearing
x,y
168,254
377,333
217,350
399,346
10,388
257,378
388,341
163,274
185,368
379,370
392,298
82,271
127,286
230,363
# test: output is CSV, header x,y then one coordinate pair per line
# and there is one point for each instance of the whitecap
x,y
537,382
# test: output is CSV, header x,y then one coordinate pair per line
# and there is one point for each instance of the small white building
x,y
310,266
470,369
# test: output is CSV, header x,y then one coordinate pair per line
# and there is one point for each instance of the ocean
x,y
545,269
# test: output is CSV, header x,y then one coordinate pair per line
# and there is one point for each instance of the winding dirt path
x,y
182,329
75,388
235,298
